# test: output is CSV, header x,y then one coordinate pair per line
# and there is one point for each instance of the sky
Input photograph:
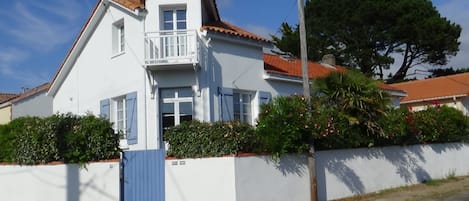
x,y
36,35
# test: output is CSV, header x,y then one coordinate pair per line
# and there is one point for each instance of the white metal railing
x,y
171,47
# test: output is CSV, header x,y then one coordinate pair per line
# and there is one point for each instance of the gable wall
x,y
98,74
38,105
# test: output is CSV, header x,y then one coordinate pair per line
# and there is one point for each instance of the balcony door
x,y
174,34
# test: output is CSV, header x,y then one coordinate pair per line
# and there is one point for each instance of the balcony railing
x,y
171,47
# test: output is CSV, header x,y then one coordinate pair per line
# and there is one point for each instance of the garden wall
x,y
344,173
253,178
98,181
340,173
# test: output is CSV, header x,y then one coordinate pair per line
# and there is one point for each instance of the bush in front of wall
x,y
199,139
6,144
62,137
284,126
35,141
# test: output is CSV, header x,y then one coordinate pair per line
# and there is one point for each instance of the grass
x,y
427,188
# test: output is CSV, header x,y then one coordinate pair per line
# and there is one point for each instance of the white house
x,y
147,65
150,64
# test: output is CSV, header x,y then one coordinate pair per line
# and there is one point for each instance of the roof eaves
x,y
434,98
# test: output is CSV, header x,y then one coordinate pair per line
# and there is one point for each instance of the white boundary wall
x,y
254,178
344,173
96,182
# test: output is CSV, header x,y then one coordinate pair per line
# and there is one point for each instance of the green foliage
x,y
283,126
197,139
67,138
439,72
366,34
6,143
355,97
35,141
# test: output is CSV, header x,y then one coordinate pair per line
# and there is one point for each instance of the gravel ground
x,y
455,189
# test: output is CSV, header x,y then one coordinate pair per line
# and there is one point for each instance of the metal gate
x,y
142,175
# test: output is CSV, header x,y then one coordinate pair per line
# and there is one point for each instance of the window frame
x,y
241,103
114,113
174,18
176,100
118,38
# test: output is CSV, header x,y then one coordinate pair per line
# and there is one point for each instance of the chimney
x,y
328,59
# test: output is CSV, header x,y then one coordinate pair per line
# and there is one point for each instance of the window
x,y
174,19
119,115
242,109
122,112
176,106
118,37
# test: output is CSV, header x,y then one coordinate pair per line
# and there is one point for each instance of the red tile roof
x,y
226,28
292,67
31,92
435,88
131,4
4,97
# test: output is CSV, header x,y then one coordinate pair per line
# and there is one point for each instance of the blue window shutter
x,y
104,109
131,115
227,104
264,97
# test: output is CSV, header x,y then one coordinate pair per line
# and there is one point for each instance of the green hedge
x,y
197,139
67,138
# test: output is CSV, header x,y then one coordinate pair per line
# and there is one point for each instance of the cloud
x,y
456,11
260,30
41,26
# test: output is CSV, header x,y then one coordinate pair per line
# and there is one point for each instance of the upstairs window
x,y
118,37
174,19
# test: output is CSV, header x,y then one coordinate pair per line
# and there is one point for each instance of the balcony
x,y
170,49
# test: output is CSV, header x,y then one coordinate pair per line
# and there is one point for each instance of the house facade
x,y
148,65
5,107
452,91
32,102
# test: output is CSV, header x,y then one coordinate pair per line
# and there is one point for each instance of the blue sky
x,y
36,35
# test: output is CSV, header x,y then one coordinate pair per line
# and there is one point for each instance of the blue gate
x,y
142,176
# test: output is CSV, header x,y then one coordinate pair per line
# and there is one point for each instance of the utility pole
x,y
304,53
307,96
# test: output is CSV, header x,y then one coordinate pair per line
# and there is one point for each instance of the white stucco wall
x,y
344,173
259,178
99,181
209,179
99,74
38,105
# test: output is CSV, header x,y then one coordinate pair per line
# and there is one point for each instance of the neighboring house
x,y
33,102
288,69
452,91
5,107
148,65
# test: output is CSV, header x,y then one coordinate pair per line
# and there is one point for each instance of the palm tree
x,y
356,96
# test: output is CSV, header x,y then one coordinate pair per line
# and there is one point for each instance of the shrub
x,y
34,141
197,139
441,124
284,126
6,144
67,138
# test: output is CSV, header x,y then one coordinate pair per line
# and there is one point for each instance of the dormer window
x,y
118,37
174,19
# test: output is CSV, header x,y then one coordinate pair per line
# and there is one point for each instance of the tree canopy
x,y
368,34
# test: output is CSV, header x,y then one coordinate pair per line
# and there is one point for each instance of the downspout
x,y
145,86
